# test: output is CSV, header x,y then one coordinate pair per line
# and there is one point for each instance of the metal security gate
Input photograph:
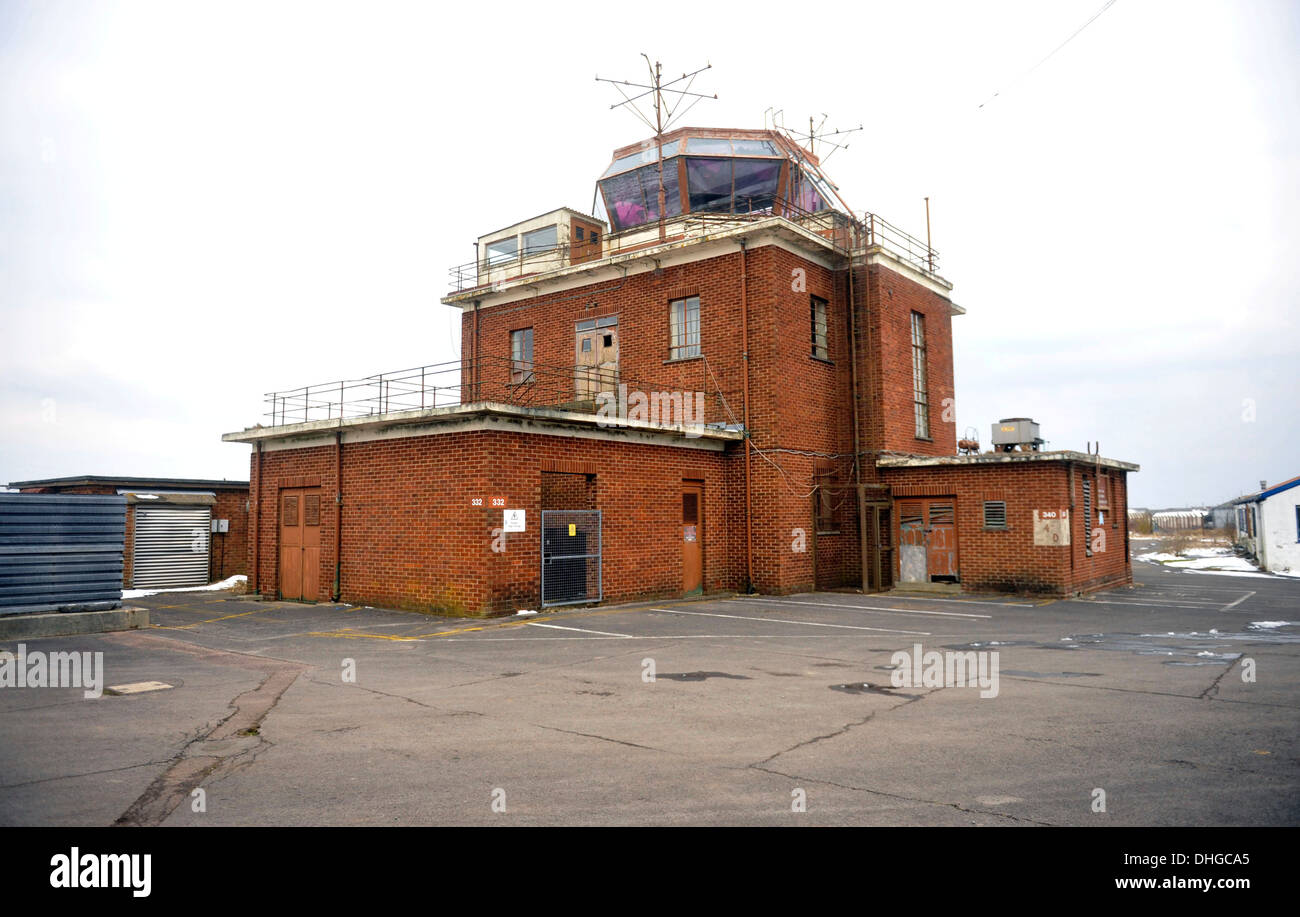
x,y
570,556
60,552
171,546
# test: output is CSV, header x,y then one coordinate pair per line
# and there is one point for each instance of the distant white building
x,y
1268,526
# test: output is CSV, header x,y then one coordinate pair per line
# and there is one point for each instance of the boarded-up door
x,y
596,359
927,541
300,543
911,541
692,537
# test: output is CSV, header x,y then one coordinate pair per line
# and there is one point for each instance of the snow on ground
x,y
215,587
1221,561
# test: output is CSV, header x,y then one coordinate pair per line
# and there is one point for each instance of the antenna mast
x,y
665,114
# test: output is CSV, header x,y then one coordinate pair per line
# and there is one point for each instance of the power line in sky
x,y
1052,53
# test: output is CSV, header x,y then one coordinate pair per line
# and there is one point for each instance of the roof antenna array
x,y
667,99
815,133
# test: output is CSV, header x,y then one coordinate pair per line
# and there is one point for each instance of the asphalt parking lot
x,y
756,706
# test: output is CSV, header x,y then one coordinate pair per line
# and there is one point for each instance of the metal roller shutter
x,y
171,546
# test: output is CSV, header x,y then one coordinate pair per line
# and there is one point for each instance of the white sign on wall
x,y
513,520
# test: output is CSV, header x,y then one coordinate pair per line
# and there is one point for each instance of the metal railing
x,y
847,234
501,380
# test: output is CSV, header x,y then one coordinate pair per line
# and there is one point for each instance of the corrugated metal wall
x,y
171,546
60,551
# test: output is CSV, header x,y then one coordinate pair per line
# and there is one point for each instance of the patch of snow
x,y
215,587
1270,625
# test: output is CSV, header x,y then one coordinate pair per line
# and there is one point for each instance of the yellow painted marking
x,y
242,614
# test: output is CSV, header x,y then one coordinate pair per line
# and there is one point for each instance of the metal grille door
x,y
171,547
570,556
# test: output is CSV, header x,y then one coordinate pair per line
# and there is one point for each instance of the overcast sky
x,y
200,203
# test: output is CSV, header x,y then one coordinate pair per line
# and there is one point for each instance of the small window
x,y
311,509
579,233
995,514
819,346
541,240
595,237
290,511
684,328
521,356
504,250
586,345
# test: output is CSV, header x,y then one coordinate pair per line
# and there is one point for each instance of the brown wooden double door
x,y
927,540
300,543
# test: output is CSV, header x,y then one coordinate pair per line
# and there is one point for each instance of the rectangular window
x,y
521,356
995,514
540,240
504,250
684,328
820,350
920,397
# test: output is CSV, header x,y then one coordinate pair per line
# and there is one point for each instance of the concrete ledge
x,y
71,623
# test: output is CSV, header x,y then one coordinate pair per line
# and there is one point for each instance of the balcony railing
x,y
848,235
504,381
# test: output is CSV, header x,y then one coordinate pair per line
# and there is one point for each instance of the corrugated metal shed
x,y
60,551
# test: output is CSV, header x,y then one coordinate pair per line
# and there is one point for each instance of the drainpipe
x,y
857,445
257,524
338,511
744,347
476,359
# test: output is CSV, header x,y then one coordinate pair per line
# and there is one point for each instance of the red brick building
x,y
752,389
192,531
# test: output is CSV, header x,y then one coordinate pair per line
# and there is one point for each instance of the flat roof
x,y
86,480
896,460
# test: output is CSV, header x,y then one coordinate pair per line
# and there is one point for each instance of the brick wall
x,y
413,539
1008,560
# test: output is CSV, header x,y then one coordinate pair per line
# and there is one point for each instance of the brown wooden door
x,y
692,537
300,544
584,242
941,541
927,540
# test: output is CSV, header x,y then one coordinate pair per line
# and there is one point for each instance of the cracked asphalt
x,y
756,703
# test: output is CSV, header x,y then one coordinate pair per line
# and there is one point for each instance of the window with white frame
x,y
684,328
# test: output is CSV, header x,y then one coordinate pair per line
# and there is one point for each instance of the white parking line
x,y
1238,602
882,630
583,630
878,608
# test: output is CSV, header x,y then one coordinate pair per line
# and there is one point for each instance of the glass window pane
x,y
756,181
712,145
641,158
625,200
503,250
753,148
540,240
650,184
709,182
